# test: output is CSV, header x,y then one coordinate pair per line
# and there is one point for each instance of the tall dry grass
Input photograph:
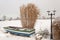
x,y
29,15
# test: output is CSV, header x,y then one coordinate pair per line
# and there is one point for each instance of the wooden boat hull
x,y
20,32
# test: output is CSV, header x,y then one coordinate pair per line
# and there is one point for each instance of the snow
x,y
43,24
40,24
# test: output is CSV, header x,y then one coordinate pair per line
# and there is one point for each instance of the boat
x,y
19,31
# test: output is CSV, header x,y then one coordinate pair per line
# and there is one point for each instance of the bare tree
x,y
17,18
10,19
4,18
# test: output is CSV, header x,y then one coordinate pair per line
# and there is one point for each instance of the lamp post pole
x,y
51,14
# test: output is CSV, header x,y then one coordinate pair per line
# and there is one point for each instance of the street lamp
x,y
51,14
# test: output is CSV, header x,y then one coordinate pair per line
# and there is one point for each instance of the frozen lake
x,y
40,24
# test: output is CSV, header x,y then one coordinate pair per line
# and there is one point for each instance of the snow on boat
x,y
19,31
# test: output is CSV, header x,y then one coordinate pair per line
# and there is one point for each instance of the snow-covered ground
x,y
40,24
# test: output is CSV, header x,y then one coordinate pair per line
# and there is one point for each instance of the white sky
x,y
10,8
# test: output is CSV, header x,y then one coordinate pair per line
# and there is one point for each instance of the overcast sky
x,y
10,8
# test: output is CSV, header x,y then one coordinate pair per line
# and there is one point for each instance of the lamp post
x,y
51,14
